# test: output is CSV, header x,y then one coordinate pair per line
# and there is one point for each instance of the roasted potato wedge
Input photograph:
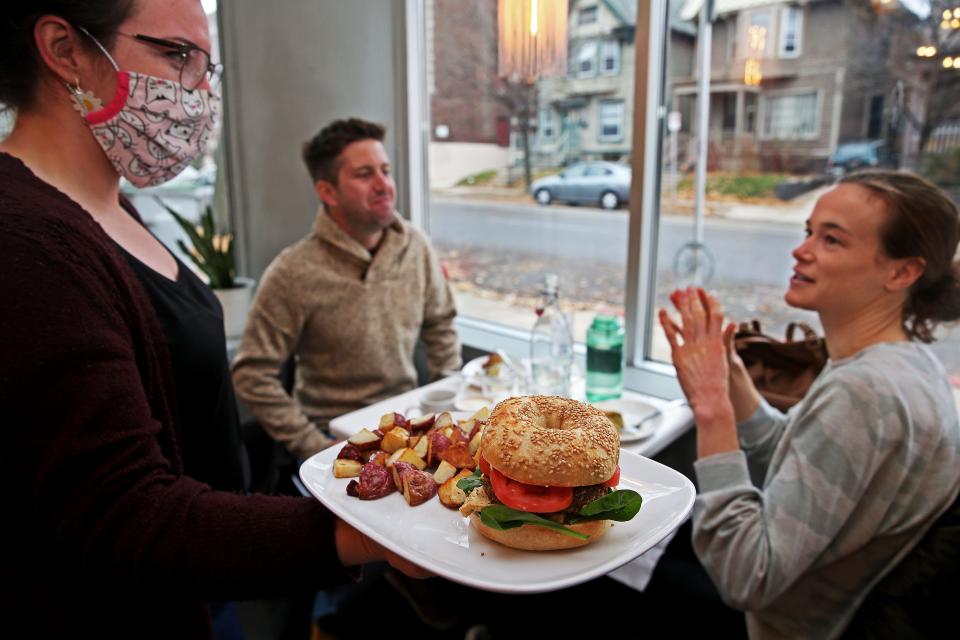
x,y
394,439
444,472
450,494
407,455
459,456
343,468
365,439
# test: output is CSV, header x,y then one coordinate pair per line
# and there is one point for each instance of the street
x,y
744,251
503,250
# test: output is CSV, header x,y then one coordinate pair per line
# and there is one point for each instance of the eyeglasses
x,y
194,62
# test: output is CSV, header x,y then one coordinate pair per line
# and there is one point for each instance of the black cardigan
x,y
103,535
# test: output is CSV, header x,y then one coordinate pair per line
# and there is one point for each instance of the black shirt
x,y
192,321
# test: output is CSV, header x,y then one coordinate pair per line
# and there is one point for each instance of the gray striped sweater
x,y
821,502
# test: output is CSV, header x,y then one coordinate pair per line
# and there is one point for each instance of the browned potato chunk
x,y
475,443
365,440
436,444
394,439
379,457
466,426
343,468
444,472
418,487
420,446
390,421
459,456
482,414
423,423
407,455
443,421
350,452
450,494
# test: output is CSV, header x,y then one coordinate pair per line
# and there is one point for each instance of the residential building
x,y
790,80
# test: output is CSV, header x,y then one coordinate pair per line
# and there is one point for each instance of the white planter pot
x,y
236,305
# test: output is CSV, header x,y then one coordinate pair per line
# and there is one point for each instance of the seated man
x,y
349,300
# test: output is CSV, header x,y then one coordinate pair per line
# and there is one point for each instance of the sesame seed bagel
x,y
551,441
534,538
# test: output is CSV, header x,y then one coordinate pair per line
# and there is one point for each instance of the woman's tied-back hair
x,y
321,152
922,221
20,63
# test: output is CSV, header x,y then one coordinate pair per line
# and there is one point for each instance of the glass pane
x,y
496,241
856,95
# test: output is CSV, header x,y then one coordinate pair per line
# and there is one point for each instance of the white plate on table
x,y
442,541
633,411
474,367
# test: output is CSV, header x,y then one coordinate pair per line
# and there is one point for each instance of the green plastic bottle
x,y
604,359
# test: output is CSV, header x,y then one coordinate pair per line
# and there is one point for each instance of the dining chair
x,y
917,598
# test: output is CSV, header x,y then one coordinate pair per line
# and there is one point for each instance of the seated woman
x,y
799,515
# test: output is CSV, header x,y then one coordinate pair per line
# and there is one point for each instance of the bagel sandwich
x,y
548,475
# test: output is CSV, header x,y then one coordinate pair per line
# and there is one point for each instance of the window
x,y
6,122
610,58
610,121
875,117
587,60
791,29
548,126
587,15
790,116
750,113
496,251
757,38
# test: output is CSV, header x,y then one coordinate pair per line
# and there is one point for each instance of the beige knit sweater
x,y
352,319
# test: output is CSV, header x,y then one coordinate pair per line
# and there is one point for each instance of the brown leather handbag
x,y
781,371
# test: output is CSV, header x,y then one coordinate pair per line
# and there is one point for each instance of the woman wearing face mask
x,y
107,533
799,515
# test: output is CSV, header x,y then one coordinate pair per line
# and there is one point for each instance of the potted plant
x,y
212,253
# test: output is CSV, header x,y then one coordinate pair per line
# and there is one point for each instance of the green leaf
x,y
471,482
218,265
620,506
501,518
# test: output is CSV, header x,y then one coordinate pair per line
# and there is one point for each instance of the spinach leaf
x,y
501,518
470,483
619,506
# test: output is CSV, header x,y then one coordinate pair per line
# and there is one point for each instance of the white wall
x,y
451,161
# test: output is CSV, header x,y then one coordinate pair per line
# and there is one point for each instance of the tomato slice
x,y
484,466
530,497
614,479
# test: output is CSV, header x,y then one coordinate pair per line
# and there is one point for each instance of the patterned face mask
x,y
153,128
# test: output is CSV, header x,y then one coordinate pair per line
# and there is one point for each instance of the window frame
x,y
607,46
542,124
603,138
641,374
593,11
785,12
764,104
767,14
579,58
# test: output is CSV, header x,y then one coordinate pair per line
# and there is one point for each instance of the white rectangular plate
x,y
441,540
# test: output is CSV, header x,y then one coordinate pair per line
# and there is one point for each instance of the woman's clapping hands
x,y
702,352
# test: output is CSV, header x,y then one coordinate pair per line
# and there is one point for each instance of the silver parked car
x,y
603,183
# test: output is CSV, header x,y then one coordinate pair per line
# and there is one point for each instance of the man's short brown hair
x,y
321,152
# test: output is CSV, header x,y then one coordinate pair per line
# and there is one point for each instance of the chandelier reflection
x,y
532,38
